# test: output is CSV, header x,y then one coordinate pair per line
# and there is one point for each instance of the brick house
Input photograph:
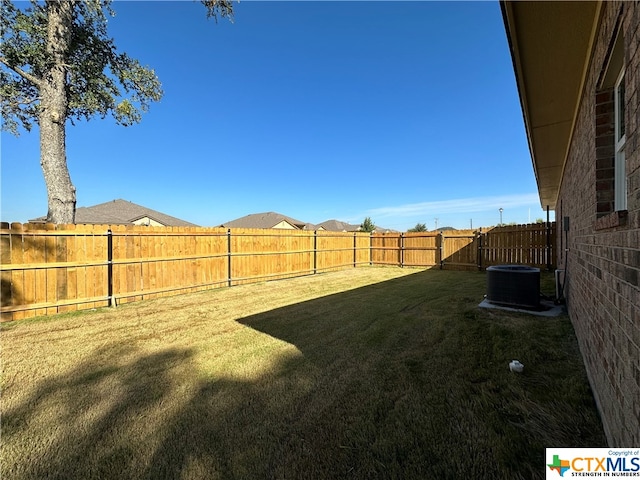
x,y
577,67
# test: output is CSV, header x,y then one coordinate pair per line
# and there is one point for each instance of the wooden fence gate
x,y
532,245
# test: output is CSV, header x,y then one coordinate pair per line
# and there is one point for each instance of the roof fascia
x,y
508,15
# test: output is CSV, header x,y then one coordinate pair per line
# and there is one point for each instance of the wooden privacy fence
x,y
47,269
532,244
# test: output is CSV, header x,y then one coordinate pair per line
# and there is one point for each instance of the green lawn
x,y
366,373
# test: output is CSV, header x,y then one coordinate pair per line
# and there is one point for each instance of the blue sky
x,y
405,112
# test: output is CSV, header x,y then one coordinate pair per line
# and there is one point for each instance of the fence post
x,y
315,252
480,249
370,249
402,250
354,249
112,301
440,246
229,257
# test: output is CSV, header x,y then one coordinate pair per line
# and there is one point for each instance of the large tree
x,y
57,65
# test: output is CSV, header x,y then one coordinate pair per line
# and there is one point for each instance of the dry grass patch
x,y
364,373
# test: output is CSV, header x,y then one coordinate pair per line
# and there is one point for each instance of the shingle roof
x,y
264,220
121,212
271,219
338,226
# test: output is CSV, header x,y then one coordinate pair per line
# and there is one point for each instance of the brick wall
x,y
601,249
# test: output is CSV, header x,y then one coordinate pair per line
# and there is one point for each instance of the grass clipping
x,y
364,373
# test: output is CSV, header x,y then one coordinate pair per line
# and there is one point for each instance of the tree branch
x,y
26,75
22,101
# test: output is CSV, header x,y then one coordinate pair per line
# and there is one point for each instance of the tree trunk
x,y
61,194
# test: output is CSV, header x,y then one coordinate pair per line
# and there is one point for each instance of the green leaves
x,y
367,225
58,63
99,80
21,32
420,227
19,103
215,8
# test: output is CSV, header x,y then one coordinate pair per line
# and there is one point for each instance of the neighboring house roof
x,y
338,226
551,44
278,220
267,220
123,212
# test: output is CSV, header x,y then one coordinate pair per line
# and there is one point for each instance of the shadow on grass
x,y
414,382
401,379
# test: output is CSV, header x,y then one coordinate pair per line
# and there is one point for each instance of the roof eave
x,y
550,63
